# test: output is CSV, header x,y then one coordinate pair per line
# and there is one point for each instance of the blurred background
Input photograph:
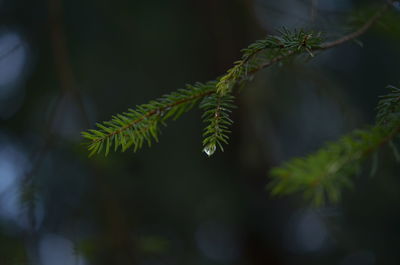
x,y
66,64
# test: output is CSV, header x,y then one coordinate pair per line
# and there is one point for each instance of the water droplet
x,y
210,149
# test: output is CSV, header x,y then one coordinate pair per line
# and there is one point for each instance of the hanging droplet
x,y
210,149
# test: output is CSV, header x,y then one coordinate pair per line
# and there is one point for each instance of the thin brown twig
x,y
358,32
331,44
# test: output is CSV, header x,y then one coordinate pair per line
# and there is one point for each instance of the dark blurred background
x,y
66,64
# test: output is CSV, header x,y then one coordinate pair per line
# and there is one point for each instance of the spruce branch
x,y
322,176
324,45
261,52
141,125
216,113
135,127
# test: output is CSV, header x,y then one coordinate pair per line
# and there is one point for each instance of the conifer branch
x,y
322,176
332,44
216,114
264,52
142,124
135,127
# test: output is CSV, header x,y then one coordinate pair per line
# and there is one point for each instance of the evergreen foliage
x,y
216,113
262,52
322,176
141,125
